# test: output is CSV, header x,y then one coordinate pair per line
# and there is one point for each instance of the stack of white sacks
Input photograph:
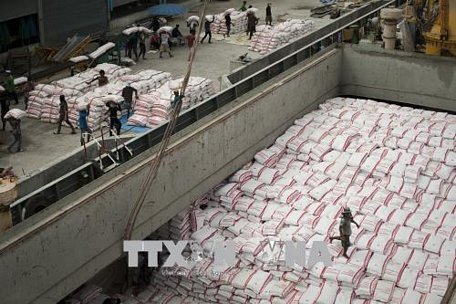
x,y
154,108
238,20
393,166
151,109
267,38
44,100
198,89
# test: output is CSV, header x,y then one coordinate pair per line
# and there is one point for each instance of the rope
x,y
155,164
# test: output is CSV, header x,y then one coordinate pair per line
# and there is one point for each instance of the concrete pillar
x,y
390,17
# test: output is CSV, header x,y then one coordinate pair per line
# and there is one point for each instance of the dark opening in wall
x,y
19,32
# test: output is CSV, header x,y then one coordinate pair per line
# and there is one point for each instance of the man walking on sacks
x,y
345,230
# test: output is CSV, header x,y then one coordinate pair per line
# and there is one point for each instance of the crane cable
x,y
155,163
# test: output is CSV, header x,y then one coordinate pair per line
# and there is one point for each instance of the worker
x,y
142,45
243,7
252,21
190,39
155,24
15,124
177,98
28,87
132,45
127,94
83,125
192,24
345,230
164,44
102,79
5,107
63,116
228,24
154,41
11,87
176,34
268,14
114,121
207,29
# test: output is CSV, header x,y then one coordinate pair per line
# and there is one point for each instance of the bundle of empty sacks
x,y
267,38
393,166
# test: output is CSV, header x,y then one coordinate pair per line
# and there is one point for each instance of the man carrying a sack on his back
x,y
127,94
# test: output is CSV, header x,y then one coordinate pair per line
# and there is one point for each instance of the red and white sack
x,y
366,287
411,296
384,291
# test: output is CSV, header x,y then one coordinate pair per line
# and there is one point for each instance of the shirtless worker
x,y
102,79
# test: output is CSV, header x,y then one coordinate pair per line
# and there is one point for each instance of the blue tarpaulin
x,y
128,128
167,10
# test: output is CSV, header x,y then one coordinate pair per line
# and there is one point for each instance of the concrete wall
x,y
10,9
57,250
61,19
412,78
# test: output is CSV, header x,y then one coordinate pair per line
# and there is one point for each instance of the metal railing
x,y
70,182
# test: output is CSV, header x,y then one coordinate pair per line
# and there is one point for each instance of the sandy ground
x,y
42,147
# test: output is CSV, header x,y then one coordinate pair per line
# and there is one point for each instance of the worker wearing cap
x,y
10,87
345,230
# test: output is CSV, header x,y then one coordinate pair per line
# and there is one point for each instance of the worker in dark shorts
x,y
114,121
127,94
63,116
345,230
